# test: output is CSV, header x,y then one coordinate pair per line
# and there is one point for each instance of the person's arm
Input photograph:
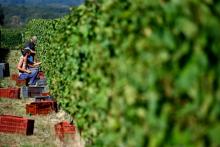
x,y
33,52
37,63
20,67
31,65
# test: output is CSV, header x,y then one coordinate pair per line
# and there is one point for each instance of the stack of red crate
x,y
41,107
13,93
15,124
63,129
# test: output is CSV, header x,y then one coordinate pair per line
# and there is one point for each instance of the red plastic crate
x,y
31,109
46,104
45,94
41,107
3,92
20,82
34,110
64,128
45,111
15,124
41,75
13,93
14,77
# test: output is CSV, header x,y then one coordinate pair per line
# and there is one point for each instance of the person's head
x,y
34,39
26,51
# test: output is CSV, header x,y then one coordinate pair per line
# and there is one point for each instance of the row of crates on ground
x,y
25,126
23,92
44,103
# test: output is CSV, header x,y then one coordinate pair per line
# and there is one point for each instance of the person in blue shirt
x,y
31,45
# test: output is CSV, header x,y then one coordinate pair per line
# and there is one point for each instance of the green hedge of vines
x,y
138,73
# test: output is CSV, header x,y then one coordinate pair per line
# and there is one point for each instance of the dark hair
x,y
25,51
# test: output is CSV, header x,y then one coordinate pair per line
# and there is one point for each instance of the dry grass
x,y
44,132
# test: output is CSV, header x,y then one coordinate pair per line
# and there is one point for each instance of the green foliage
x,y
43,29
138,73
11,37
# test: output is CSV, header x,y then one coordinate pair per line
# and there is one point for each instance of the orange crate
x,y
45,94
4,92
41,75
14,77
68,128
15,124
65,128
13,93
45,111
41,107
31,109
20,82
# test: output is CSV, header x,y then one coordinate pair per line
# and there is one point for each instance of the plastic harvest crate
x,y
15,124
63,129
13,93
14,77
41,107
